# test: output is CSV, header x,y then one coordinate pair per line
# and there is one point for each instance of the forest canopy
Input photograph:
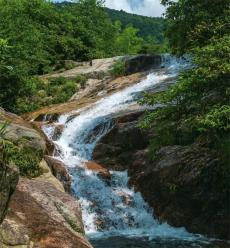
x,y
196,108
35,35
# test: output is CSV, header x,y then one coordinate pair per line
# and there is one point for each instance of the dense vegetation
x,y
27,159
147,26
196,108
36,35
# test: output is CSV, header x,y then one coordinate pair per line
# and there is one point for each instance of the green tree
x,y
201,95
128,42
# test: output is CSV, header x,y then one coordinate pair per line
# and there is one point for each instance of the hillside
x,y
148,26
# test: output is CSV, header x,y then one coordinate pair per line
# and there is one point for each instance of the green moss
x,y
25,158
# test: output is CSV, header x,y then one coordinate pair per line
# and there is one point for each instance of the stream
x,y
111,222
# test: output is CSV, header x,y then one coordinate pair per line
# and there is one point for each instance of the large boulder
x,y
41,216
102,172
8,180
60,172
20,131
140,63
116,149
184,185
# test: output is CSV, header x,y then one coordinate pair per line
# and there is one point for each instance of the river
x,y
109,221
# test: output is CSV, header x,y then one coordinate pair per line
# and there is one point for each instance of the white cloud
x,y
141,7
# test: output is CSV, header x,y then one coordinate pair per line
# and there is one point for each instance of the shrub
x,y
118,68
25,158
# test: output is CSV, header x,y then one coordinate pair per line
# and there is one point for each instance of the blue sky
x,y
141,7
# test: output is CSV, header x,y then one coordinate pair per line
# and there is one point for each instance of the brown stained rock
x,y
58,129
102,171
42,217
60,172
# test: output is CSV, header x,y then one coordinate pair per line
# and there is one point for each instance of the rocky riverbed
x,y
180,185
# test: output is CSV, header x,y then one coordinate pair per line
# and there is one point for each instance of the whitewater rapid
x,y
114,208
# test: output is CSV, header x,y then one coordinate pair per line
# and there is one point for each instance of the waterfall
x,y
110,208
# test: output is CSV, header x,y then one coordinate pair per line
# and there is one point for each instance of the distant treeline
x,y
147,26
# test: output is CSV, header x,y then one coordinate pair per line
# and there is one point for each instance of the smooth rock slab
x,y
43,217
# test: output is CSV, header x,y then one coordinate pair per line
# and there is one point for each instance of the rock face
x,y
182,185
43,217
8,180
97,68
139,63
94,90
20,131
60,172
116,149
41,214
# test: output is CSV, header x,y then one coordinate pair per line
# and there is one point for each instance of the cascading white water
x,y
109,208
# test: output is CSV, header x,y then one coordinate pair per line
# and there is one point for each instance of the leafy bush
x,y
197,106
118,68
26,159
36,94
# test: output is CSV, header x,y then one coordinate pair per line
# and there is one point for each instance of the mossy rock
x,y
25,158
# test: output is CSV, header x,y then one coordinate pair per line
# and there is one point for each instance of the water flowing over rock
x,y
181,185
110,208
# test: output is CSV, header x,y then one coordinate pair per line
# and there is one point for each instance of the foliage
x,y
152,46
197,106
36,94
147,26
192,23
47,34
26,159
51,34
118,68
127,42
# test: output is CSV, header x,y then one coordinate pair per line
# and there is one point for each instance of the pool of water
x,y
123,242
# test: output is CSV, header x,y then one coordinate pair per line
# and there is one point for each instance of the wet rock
x,y
142,63
60,172
47,117
182,185
42,216
115,150
50,147
58,129
102,171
